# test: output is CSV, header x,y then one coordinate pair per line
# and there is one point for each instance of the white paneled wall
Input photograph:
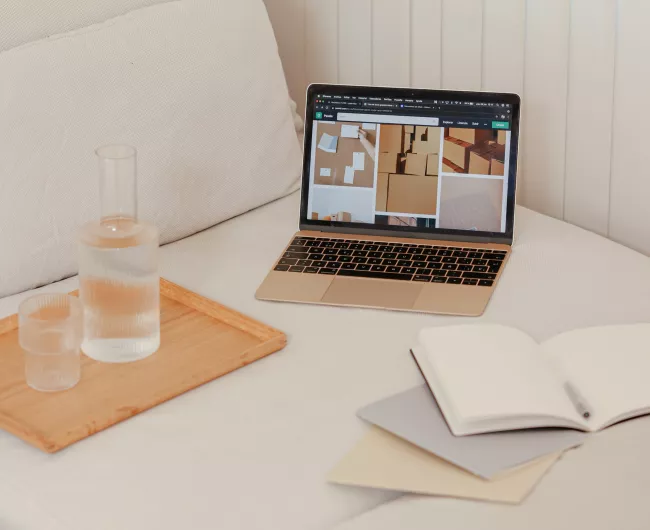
x,y
580,66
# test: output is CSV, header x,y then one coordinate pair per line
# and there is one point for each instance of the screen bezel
x,y
411,232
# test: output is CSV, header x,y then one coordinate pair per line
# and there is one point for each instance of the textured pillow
x,y
197,86
28,20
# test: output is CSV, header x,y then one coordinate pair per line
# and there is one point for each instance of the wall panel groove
x,y
590,87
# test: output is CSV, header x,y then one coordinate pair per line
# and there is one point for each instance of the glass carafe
x,y
118,268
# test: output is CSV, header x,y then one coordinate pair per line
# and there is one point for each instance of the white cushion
x,y
196,85
252,449
24,21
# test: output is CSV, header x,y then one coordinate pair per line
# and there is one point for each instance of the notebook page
x,y
493,371
610,366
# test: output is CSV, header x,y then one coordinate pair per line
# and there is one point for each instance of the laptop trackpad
x,y
372,293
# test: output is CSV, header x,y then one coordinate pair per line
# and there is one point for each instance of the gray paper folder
x,y
415,417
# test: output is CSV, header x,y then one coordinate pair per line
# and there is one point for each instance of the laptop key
x,y
330,251
419,257
434,265
341,245
434,259
356,246
403,255
311,270
454,280
494,263
464,261
486,283
448,259
378,268
295,268
444,253
327,271
360,253
287,261
479,262
334,265
499,257
404,263
459,254
438,279
393,269
295,255
281,268
408,270
479,275
474,254
327,244
363,267
304,262
371,247
344,259
419,263
421,278
359,260
480,268
454,274
380,275
312,243
424,272
374,261
390,262
449,267
464,268
469,281
383,248
345,252
374,254
318,263
297,248
348,266
390,255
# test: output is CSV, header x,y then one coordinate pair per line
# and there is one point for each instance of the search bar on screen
x,y
387,118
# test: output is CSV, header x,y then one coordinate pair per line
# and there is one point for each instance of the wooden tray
x,y
200,341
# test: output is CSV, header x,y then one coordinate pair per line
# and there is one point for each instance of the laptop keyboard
x,y
392,261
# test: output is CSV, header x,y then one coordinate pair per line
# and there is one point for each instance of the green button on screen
x,y
499,124
319,115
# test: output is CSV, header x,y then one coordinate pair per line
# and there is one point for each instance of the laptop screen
x,y
434,162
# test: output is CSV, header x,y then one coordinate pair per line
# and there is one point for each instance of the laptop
x,y
408,200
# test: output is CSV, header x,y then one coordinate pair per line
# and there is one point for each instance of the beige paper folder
x,y
382,460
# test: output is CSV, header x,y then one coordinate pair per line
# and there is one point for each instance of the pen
x,y
578,401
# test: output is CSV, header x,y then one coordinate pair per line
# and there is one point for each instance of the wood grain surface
x,y
200,341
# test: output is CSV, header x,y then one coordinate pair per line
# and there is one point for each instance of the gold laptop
x,y
408,200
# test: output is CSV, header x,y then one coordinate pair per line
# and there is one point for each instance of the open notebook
x,y
489,378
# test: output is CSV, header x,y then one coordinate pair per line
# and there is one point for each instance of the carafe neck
x,y
117,185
